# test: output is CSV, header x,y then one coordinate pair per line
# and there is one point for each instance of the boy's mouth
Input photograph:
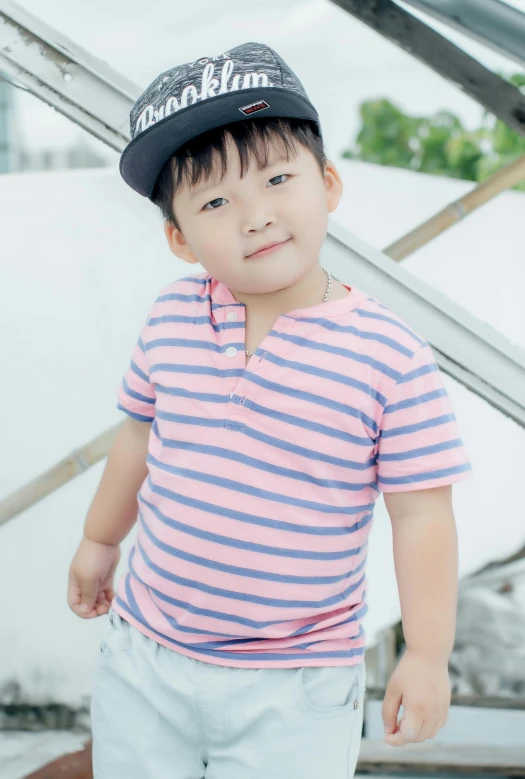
x,y
267,248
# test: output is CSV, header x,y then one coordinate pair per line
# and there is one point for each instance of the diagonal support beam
x,y
467,349
503,179
493,23
64,75
425,44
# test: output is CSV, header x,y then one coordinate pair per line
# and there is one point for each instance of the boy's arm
x,y
420,454
113,510
426,563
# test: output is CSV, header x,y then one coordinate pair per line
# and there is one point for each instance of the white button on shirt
x,y
232,316
231,351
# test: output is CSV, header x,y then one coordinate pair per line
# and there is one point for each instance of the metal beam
x,y
454,212
497,25
425,44
466,348
100,100
64,75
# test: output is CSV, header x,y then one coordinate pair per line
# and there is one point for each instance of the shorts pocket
x,y
330,691
116,637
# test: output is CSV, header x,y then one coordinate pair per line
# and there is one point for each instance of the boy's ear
x,y
178,245
334,186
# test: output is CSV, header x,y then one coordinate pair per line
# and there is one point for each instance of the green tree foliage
x,y
437,144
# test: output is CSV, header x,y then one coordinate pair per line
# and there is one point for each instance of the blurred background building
x,y
16,156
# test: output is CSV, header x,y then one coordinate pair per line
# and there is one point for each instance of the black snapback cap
x,y
251,80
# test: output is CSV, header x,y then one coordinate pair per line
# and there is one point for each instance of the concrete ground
x,y
22,752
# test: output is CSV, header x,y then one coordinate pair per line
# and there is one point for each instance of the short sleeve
x,y
136,394
419,443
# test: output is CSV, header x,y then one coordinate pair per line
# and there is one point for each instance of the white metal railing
x,y
465,347
64,75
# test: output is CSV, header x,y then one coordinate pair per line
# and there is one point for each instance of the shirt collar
x,y
221,294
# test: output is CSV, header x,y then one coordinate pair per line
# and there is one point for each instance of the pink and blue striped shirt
x,y
253,521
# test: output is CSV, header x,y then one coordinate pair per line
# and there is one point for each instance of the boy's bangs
x,y
207,158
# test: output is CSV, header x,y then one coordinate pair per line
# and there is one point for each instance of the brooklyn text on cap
x,y
251,80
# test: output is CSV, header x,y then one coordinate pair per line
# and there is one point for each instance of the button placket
x,y
231,353
243,397
231,316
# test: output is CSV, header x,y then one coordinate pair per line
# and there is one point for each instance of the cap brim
x,y
143,158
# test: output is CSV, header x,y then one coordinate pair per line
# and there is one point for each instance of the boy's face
x,y
222,222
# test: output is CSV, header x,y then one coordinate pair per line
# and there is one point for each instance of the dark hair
x,y
194,160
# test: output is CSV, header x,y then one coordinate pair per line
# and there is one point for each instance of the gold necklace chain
x,y
325,298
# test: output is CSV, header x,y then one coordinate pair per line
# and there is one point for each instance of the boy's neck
x,y
309,291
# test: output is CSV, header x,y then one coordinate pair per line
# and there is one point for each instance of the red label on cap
x,y
253,107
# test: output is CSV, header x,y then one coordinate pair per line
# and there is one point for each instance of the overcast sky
x,y
340,61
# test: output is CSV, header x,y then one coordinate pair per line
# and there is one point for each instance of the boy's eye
x,y
205,208
217,199
282,175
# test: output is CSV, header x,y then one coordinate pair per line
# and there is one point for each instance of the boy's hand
x,y
422,684
90,588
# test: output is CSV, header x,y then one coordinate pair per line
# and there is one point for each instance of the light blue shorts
x,y
158,714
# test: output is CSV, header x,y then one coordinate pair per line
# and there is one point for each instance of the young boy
x,y
268,406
